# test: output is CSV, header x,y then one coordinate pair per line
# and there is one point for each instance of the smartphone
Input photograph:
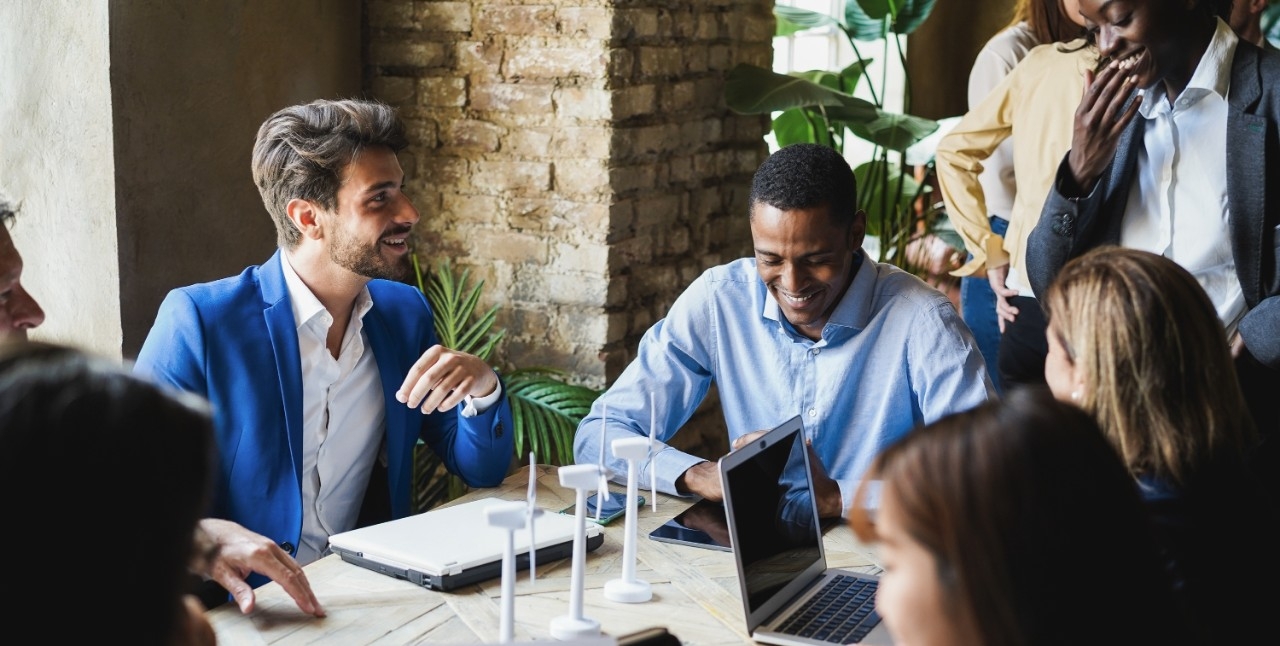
x,y
615,505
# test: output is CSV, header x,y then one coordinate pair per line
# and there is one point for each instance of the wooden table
x,y
695,590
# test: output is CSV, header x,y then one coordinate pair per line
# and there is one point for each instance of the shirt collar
x,y
1212,74
304,302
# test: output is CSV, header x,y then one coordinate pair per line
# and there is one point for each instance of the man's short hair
x,y
804,176
301,152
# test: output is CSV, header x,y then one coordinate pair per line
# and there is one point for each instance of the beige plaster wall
x,y
56,159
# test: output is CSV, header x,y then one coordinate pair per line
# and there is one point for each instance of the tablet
x,y
702,525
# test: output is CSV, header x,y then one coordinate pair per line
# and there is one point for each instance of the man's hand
x,y
1099,120
241,552
441,378
825,490
702,479
997,277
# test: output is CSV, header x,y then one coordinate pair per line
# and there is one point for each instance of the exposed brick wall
x,y
576,155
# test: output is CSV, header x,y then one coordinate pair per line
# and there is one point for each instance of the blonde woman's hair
x,y
1155,358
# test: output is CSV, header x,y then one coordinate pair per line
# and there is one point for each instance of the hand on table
x,y
825,490
241,552
441,378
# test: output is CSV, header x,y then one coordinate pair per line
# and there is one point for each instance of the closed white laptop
x,y
448,547
789,594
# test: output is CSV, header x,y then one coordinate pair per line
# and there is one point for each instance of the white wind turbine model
x,y
574,625
511,516
629,589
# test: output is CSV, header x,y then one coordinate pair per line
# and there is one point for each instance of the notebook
x,y
453,546
787,588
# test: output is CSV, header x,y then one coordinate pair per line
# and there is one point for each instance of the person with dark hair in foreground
x,y
809,325
1014,523
324,370
132,466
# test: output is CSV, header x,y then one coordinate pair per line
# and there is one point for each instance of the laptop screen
x,y
776,532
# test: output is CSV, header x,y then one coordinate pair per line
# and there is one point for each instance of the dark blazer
x,y
234,342
1068,227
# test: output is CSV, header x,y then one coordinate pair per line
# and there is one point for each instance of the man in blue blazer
x,y
323,370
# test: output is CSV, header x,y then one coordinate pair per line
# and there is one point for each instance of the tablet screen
x,y
702,525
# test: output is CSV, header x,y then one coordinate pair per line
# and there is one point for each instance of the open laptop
x,y
787,588
448,547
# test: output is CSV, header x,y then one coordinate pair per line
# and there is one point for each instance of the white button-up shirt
x,y
343,416
1178,201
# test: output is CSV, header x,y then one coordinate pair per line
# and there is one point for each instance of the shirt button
x,y
813,412
815,351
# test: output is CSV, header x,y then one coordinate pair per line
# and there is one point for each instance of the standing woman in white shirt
x,y
1034,22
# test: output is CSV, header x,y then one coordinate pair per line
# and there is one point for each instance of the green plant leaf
x,y
798,126
887,209
859,25
902,16
893,131
546,411
755,90
794,19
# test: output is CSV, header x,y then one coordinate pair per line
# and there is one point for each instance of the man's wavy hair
x,y
302,151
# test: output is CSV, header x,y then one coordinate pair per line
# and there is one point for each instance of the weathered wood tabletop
x,y
695,590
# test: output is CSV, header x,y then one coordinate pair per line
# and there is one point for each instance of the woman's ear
x,y
305,215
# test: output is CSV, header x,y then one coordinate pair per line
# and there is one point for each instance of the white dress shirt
x,y
343,415
1178,201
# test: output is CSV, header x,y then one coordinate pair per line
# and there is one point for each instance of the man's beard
x,y
349,253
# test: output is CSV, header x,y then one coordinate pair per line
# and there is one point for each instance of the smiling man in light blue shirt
x,y
809,326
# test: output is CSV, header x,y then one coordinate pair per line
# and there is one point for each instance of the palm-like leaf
x,y
546,411
545,408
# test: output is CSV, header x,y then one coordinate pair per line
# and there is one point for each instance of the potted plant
x,y
545,407
819,106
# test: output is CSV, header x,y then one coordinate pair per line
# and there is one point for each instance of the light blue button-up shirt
x,y
893,355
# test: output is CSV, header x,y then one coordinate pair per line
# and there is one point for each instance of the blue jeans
x,y
978,309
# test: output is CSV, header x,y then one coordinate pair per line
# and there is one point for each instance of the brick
x,y
661,62
391,15
445,171
634,101
518,20
636,23
394,90
680,170
510,246
479,59
528,98
473,135
443,92
628,178
445,16
586,22
582,103
478,209
587,258
677,96
408,54
657,211
511,175
556,63
591,143
527,142
423,133
581,177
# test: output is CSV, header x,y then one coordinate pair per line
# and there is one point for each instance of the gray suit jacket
x,y
1070,226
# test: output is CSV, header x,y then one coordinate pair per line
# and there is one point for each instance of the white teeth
x,y
798,299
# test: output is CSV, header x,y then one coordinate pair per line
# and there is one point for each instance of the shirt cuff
x,y
473,406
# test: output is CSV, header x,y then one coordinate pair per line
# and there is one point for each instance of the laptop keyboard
x,y
842,612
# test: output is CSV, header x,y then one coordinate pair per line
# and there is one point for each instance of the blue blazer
x,y
234,341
